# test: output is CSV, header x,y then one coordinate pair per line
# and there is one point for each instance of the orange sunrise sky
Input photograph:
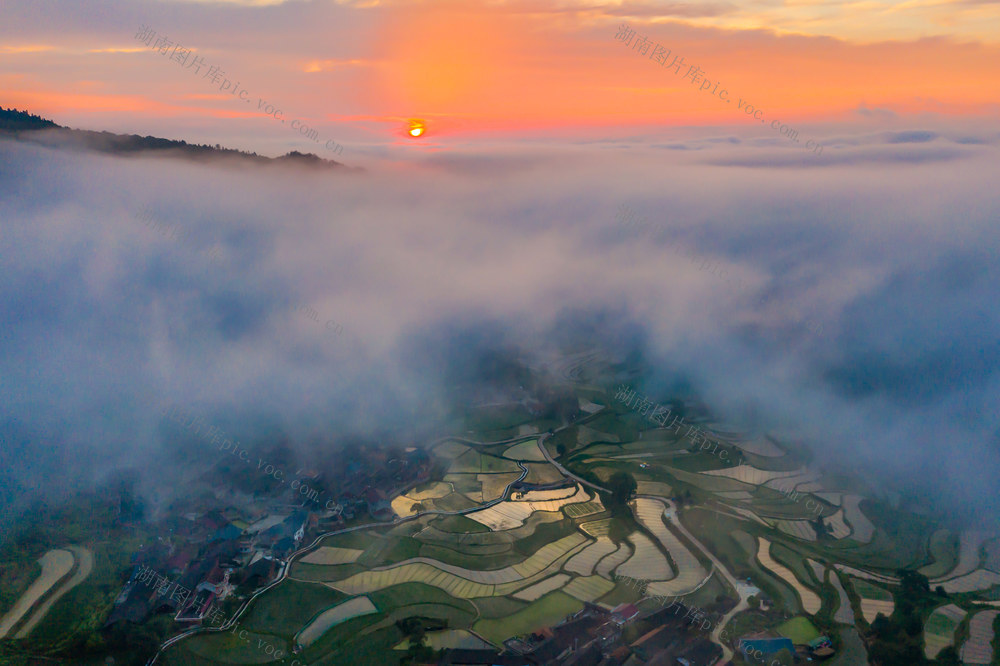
x,y
360,71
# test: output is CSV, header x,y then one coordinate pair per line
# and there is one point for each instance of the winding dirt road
x,y
84,565
56,566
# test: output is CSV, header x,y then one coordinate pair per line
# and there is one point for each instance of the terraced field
x,y
548,610
867,575
690,573
583,563
978,649
370,581
649,443
966,576
969,543
980,579
434,534
754,476
800,529
713,483
944,558
844,612
541,473
939,631
474,462
584,508
329,555
760,445
525,451
995,604
810,602
475,560
653,488
863,528
333,616
818,569
739,495
510,514
430,491
647,562
494,485
613,561
786,484
597,528
586,435
747,513
838,528
589,588
461,582
449,450
725,431
540,589
450,639
468,485
992,556
833,498
545,495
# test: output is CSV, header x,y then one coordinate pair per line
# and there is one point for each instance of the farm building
x,y
765,644
624,613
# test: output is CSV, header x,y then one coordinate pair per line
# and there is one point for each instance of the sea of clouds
x,y
888,241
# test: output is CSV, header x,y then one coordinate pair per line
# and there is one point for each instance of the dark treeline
x,y
22,125
14,120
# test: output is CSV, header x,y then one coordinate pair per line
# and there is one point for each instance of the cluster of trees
x,y
107,515
898,640
415,629
97,514
684,498
13,120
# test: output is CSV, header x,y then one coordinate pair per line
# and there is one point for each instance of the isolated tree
x,y
949,657
913,625
821,528
622,487
418,652
881,626
914,583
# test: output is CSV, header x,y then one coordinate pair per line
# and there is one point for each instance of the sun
x,y
416,128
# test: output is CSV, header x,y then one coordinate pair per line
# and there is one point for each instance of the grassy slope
x,y
16,574
549,610
285,609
